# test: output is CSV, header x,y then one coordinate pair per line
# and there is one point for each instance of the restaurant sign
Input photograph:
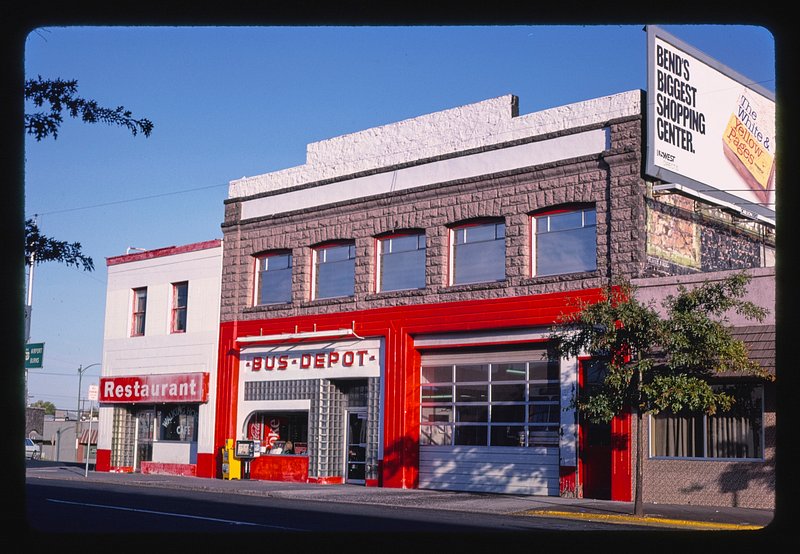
x,y
172,387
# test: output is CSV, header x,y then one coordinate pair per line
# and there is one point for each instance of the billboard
x,y
710,130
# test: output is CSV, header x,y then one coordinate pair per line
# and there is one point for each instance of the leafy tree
x,y
657,363
49,407
48,249
61,96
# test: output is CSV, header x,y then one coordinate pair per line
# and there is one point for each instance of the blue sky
x,y
229,102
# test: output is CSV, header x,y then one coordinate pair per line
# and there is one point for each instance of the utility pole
x,y
28,311
81,369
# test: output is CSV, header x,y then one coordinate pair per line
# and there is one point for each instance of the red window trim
x,y
315,249
135,312
563,208
175,308
376,268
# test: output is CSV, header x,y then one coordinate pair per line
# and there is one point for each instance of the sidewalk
x,y
656,515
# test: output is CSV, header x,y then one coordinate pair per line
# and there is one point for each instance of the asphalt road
x,y
55,507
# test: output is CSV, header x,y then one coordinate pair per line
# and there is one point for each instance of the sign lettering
x,y
180,387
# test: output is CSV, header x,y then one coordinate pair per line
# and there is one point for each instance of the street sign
x,y
93,390
34,355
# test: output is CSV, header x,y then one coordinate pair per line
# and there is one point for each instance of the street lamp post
x,y
81,369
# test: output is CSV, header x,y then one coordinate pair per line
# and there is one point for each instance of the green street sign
x,y
34,355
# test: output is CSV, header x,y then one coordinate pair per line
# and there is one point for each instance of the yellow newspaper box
x,y
231,466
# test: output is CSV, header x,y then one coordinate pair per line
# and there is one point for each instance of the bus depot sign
x,y
333,360
710,130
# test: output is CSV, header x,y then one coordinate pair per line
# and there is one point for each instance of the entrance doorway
x,y
145,427
595,439
357,445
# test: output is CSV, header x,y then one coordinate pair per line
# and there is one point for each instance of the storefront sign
x,y
175,387
709,129
360,359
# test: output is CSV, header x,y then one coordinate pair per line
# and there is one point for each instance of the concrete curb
x,y
643,520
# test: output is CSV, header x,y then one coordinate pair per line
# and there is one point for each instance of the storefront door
x,y
356,445
595,440
144,436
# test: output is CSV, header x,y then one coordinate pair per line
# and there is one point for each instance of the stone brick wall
x,y
611,181
744,484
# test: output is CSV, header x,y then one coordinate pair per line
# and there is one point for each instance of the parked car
x,y
32,450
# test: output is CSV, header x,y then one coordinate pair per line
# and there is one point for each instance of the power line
x,y
115,202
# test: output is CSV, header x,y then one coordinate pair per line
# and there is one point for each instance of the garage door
x,y
489,421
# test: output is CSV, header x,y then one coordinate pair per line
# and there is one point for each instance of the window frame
x,y
176,309
138,311
453,244
535,236
315,263
443,400
257,275
705,419
379,257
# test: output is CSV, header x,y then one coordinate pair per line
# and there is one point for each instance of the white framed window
x,y
564,241
334,270
490,402
139,311
273,279
180,299
478,253
401,262
735,434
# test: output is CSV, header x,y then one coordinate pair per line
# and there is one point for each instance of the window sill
x,y
700,459
576,276
405,293
266,308
327,301
488,285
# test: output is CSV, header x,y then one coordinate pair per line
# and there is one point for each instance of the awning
x,y
85,437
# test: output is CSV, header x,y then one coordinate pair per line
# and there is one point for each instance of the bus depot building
x,y
158,379
385,308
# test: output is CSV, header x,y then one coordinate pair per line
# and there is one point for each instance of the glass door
x,y
356,446
145,424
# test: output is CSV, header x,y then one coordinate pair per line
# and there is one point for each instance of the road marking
x,y
173,514
644,520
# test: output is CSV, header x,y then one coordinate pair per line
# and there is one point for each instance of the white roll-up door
x,y
490,420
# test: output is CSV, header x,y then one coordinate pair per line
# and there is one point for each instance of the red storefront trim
x,y
397,326
159,468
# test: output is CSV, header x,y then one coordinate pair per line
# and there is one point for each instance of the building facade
x,y
158,381
727,459
386,307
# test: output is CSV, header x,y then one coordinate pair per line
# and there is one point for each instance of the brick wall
x,y
609,181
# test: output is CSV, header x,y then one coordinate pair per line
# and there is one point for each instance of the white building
x,y
158,381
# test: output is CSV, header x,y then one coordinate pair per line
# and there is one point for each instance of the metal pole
x,y
81,370
29,314
89,440
78,413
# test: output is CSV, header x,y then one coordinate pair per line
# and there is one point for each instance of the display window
x,y
279,433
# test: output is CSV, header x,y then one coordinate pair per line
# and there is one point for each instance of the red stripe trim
x,y
161,252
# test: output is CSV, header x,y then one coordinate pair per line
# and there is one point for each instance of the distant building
x,y
158,381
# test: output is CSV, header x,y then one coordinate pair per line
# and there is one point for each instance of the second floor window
x,y
139,311
274,279
478,253
565,242
334,270
180,298
401,262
